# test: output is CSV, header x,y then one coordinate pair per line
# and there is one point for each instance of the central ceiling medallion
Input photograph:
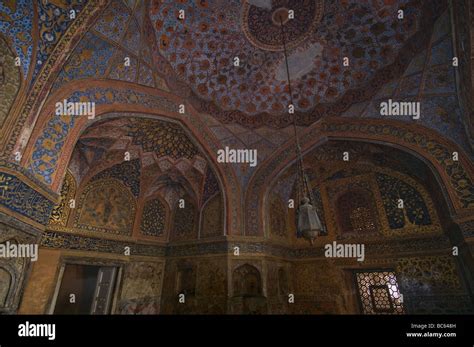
x,y
261,24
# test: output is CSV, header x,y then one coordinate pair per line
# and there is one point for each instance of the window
x,y
356,212
379,293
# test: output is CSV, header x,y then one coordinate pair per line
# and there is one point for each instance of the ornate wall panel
x,y
352,206
154,218
60,213
185,221
106,206
213,217
386,187
415,211
203,279
127,172
356,212
19,197
278,217
429,275
211,279
456,175
141,288
211,185
10,80
432,285
246,281
319,288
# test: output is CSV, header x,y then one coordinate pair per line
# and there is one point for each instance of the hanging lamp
x,y
308,224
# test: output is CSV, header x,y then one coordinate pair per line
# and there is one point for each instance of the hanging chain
x,y
302,179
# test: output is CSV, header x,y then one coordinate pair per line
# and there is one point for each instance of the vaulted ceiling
x,y
150,155
245,106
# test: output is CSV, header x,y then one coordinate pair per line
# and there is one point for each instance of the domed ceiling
x,y
245,106
201,50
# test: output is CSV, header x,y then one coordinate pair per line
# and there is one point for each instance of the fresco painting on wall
x,y
243,157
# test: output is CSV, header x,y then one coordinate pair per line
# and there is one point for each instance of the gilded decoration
x,y
429,274
19,197
352,220
106,206
190,249
459,177
163,138
60,213
456,174
395,192
47,74
416,217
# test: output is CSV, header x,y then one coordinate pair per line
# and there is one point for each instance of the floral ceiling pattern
x,y
201,49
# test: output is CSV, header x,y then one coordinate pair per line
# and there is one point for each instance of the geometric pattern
x,y
154,218
414,211
128,172
163,138
429,274
184,221
379,293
